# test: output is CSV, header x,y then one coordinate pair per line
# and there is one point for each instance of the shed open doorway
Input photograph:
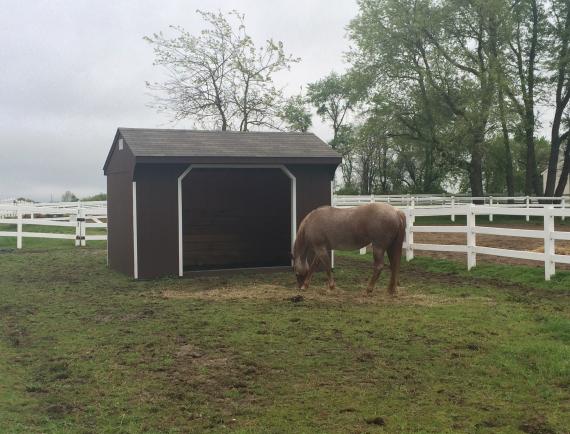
x,y
235,217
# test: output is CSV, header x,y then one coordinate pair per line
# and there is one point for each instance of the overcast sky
x,y
72,71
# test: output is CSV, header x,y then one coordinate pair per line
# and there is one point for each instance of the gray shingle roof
x,y
194,143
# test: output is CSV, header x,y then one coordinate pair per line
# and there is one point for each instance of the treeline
x,y
447,93
439,94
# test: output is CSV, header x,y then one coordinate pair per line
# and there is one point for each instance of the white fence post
x,y
83,241
409,232
527,200
563,206
77,229
549,247
19,228
452,208
471,239
490,204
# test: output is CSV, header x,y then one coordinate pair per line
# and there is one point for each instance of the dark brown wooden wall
x,y
119,211
157,219
236,218
313,187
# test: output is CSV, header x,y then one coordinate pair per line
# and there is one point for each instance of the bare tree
x,y
219,78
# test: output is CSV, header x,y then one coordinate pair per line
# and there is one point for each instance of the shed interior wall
x,y
234,218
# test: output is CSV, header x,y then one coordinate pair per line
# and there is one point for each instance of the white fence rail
x,y
453,202
78,215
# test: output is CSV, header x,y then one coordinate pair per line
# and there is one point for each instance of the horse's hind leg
x,y
328,266
378,254
395,257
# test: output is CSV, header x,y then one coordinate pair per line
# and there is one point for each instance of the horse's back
x,y
350,228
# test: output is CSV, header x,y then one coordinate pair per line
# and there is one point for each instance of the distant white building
x,y
558,174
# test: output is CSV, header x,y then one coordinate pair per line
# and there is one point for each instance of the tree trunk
x,y
476,166
507,144
475,176
532,181
565,172
554,153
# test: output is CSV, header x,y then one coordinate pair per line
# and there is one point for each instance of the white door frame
x,y
135,234
282,167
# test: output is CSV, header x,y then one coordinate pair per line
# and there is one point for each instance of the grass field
x,y
84,349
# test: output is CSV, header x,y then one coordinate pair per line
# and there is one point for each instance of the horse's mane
x,y
300,240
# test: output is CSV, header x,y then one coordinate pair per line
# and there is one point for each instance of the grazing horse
x,y
327,228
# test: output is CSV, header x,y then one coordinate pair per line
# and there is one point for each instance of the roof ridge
x,y
216,131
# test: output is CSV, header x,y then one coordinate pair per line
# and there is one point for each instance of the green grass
x,y
84,349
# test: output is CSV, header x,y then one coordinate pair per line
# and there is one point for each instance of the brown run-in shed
x,y
185,200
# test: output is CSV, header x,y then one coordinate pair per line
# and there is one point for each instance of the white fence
x,y
445,200
85,215
79,215
548,234
453,202
451,207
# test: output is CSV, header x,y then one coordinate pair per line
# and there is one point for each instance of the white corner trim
x,y
282,167
135,234
293,205
332,197
180,240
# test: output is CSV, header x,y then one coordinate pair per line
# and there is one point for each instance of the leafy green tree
x,y
95,197
332,98
296,115
559,67
68,196
389,63
519,77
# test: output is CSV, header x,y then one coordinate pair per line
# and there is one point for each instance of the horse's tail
x,y
395,253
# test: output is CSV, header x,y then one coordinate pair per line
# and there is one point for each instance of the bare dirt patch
x,y
497,241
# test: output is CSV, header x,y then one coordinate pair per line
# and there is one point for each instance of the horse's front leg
x,y
323,256
312,269
378,255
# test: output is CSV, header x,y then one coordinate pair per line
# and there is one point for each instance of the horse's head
x,y
301,269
